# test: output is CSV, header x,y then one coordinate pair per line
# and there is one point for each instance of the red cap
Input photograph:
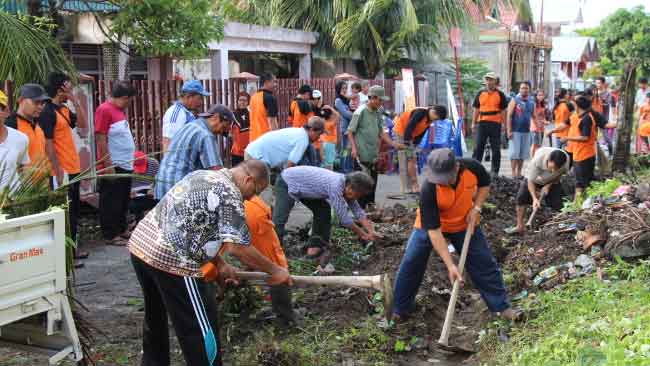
x,y
140,162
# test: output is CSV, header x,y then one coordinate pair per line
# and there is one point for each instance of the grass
x,y
586,322
317,342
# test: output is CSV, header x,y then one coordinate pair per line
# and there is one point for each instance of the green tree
x,y
28,52
178,28
471,73
382,32
624,39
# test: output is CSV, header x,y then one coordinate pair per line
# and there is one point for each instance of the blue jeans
x,y
481,266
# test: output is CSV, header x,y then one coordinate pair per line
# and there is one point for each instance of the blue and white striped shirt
x,y
194,147
176,116
318,183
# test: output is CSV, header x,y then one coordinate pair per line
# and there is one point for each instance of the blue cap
x,y
194,86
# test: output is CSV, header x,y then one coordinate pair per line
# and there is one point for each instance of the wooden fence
x,y
154,97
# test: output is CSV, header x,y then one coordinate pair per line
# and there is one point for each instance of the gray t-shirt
x,y
538,170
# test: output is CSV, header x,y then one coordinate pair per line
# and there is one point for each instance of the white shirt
x,y
176,116
640,97
13,153
363,98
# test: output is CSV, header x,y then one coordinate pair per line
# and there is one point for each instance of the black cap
x,y
224,113
306,88
441,164
34,92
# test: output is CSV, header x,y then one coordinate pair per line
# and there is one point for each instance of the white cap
x,y
316,94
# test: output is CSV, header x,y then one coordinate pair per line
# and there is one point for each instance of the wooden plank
x,y
145,84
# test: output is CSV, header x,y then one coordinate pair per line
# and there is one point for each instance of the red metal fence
x,y
154,97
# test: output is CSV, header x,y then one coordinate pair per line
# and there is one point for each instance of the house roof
x,y
574,49
76,6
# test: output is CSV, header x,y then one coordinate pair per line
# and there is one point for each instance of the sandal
x,y
117,242
316,242
513,231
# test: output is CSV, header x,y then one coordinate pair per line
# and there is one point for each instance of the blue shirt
x,y
276,148
522,114
193,147
319,183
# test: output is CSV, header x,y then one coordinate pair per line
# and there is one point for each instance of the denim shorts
x,y
519,146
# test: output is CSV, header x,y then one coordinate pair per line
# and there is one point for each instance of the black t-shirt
x,y
416,116
270,103
585,122
429,213
242,119
48,119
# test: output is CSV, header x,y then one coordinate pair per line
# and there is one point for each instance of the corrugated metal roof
x,y
572,49
75,6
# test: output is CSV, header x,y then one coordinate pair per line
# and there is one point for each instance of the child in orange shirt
x,y
644,123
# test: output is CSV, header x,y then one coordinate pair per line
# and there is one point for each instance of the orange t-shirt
x,y
36,137
403,121
582,150
263,236
454,203
331,131
57,123
263,105
296,117
644,120
561,114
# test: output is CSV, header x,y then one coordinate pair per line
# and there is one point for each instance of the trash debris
x,y
642,192
622,190
520,296
586,263
327,270
544,275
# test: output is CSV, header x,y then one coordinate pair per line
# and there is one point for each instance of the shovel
x,y
443,342
542,195
382,283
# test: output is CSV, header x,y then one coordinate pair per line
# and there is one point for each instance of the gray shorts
x,y
538,138
519,146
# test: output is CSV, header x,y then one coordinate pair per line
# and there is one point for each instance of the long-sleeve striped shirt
x,y
317,183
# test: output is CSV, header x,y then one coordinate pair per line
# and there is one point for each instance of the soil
x,y
108,288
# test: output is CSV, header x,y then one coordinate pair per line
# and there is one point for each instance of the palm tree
x,y
382,30
28,53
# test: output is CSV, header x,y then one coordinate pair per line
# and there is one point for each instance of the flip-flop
x,y
117,242
513,231
81,255
316,242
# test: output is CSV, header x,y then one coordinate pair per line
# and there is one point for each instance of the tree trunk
x,y
625,119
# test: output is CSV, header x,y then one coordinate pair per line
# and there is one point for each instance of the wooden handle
x,y
449,317
534,213
374,282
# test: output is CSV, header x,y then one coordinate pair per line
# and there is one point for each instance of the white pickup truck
x,y
33,282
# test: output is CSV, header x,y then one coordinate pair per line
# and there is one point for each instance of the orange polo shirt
x,y
644,120
296,117
561,114
331,131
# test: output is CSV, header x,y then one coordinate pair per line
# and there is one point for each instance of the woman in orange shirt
x,y
330,137
644,124
240,132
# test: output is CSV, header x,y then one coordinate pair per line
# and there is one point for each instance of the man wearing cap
x,y
13,149
450,204
364,132
490,107
194,147
300,109
183,110
115,149
31,101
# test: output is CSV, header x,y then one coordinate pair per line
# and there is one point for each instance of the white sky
x,y
593,12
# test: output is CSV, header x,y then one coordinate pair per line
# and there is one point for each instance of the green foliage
x,y
244,11
593,72
586,322
623,37
471,74
28,52
179,28
382,32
